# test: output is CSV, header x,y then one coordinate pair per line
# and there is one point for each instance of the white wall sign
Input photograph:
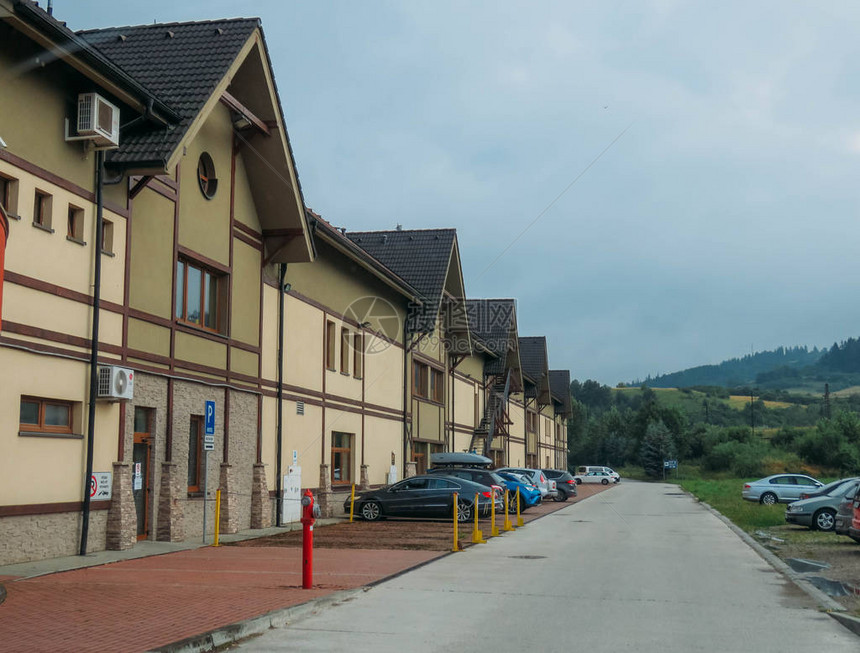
x,y
291,503
100,486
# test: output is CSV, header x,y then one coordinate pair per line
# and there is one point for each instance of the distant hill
x,y
758,368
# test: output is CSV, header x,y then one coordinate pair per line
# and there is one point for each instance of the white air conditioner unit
x,y
98,120
115,383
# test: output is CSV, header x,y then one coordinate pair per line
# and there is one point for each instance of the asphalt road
x,y
641,567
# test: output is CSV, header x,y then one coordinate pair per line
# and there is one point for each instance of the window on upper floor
x,y
419,380
107,237
344,350
75,224
330,344
531,421
436,385
9,195
198,295
42,208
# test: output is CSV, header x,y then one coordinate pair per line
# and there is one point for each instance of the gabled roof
x,y
421,257
559,384
181,63
535,364
493,322
324,230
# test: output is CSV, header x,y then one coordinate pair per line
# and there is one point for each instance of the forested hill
x,y
844,357
746,370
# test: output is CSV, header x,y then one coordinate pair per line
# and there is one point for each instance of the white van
x,y
596,474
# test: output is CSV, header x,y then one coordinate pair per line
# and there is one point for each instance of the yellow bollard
x,y
217,515
494,530
508,526
477,535
520,521
456,546
352,503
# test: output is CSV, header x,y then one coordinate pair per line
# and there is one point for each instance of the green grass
x,y
725,495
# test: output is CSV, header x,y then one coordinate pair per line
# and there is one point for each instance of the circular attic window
x,y
206,176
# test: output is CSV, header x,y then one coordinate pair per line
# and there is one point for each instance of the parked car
x,y
602,477
582,470
827,489
537,477
782,488
819,512
845,515
425,496
529,493
565,481
474,474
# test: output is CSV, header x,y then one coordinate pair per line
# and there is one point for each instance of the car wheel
x,y
464,511
824,520
371,510
578,481
562,495
604,482
512,505
768,498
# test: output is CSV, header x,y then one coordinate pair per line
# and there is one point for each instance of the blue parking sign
x,y
210,418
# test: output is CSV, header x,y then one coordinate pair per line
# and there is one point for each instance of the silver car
x,y
546,486
781,488
819,512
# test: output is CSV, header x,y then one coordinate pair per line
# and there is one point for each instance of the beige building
x,y
150,204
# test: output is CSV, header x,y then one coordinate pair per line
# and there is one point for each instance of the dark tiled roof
x,y
533,357
181,63
559,384
420,257
492,321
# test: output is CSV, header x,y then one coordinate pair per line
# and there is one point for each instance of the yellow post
x,y
508,526
494,530
217,515
477,535
456,546
352,503
520,521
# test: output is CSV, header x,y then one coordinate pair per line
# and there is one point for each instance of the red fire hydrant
x,y
309,514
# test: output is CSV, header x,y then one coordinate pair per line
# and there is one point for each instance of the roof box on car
x,y
461,459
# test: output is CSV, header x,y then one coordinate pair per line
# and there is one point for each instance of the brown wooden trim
x,y
168,444
136,186
167,181
56,336
237,106
205,260
421,358
50,508
175,264
291,232
259,428
59,291
65,184
120,450
248,241
161,190
248,230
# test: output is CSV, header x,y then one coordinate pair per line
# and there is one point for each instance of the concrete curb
x,y
773,560
242,630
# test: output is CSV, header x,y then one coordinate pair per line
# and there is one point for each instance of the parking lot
x,y
410,534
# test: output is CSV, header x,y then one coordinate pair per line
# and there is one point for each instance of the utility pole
x,y
826,401
752,411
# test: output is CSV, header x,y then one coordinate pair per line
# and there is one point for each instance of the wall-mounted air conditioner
x,y
98,120
115,383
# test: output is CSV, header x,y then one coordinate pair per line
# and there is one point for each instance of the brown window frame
x,y
350,437
107,237
217,278
196,421
358,355
75,224
330,344
42,209
9,195
344,350
41,427
437,385
531,421
420,384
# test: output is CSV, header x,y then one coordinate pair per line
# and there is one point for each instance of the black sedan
x,y
565,483
425,496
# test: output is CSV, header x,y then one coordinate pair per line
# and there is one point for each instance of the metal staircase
x,y
494,415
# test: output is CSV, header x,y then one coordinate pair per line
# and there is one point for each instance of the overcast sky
x,y
723,219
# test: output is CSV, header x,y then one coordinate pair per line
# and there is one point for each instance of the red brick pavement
x,y
137,605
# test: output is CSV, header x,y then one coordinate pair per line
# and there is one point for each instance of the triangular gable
x,y
535,363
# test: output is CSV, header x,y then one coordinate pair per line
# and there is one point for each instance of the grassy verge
x,y
725,495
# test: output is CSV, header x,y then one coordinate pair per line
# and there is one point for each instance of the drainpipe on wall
x,y
4,235
94,350
282,273
405,393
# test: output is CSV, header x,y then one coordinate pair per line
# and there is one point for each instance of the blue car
x,y
529,494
